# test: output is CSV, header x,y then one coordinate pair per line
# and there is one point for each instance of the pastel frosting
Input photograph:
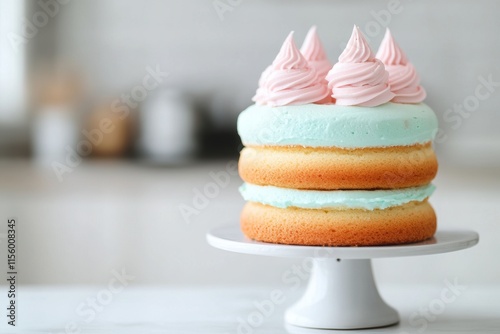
x,y
290,80
359,78
328,125
403,78
313,51
326,199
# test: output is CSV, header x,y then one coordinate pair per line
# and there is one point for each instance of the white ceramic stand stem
x,y
341,294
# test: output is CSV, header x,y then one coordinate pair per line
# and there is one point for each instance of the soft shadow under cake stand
x,y
341,293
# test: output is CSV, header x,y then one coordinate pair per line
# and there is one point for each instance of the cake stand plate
x,y
341,293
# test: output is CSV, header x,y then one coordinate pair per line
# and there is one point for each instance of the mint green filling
x,y
319,199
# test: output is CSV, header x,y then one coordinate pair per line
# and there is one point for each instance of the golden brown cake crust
x,y
336,168
411,222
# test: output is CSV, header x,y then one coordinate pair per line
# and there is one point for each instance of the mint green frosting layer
x,y
319,199
320,125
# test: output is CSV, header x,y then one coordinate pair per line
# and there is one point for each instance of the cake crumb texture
x,y
336,168
408,223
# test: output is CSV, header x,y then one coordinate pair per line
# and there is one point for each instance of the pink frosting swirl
x,y
403,78
359,78
290,79
313,51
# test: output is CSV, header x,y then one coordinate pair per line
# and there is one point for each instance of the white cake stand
x,y
341,293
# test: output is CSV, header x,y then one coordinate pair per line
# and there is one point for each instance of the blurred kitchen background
x,y
114,116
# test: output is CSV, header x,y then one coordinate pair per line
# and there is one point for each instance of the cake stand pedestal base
x,y
341,293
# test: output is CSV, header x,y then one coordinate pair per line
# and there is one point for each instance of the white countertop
x,y
143,310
